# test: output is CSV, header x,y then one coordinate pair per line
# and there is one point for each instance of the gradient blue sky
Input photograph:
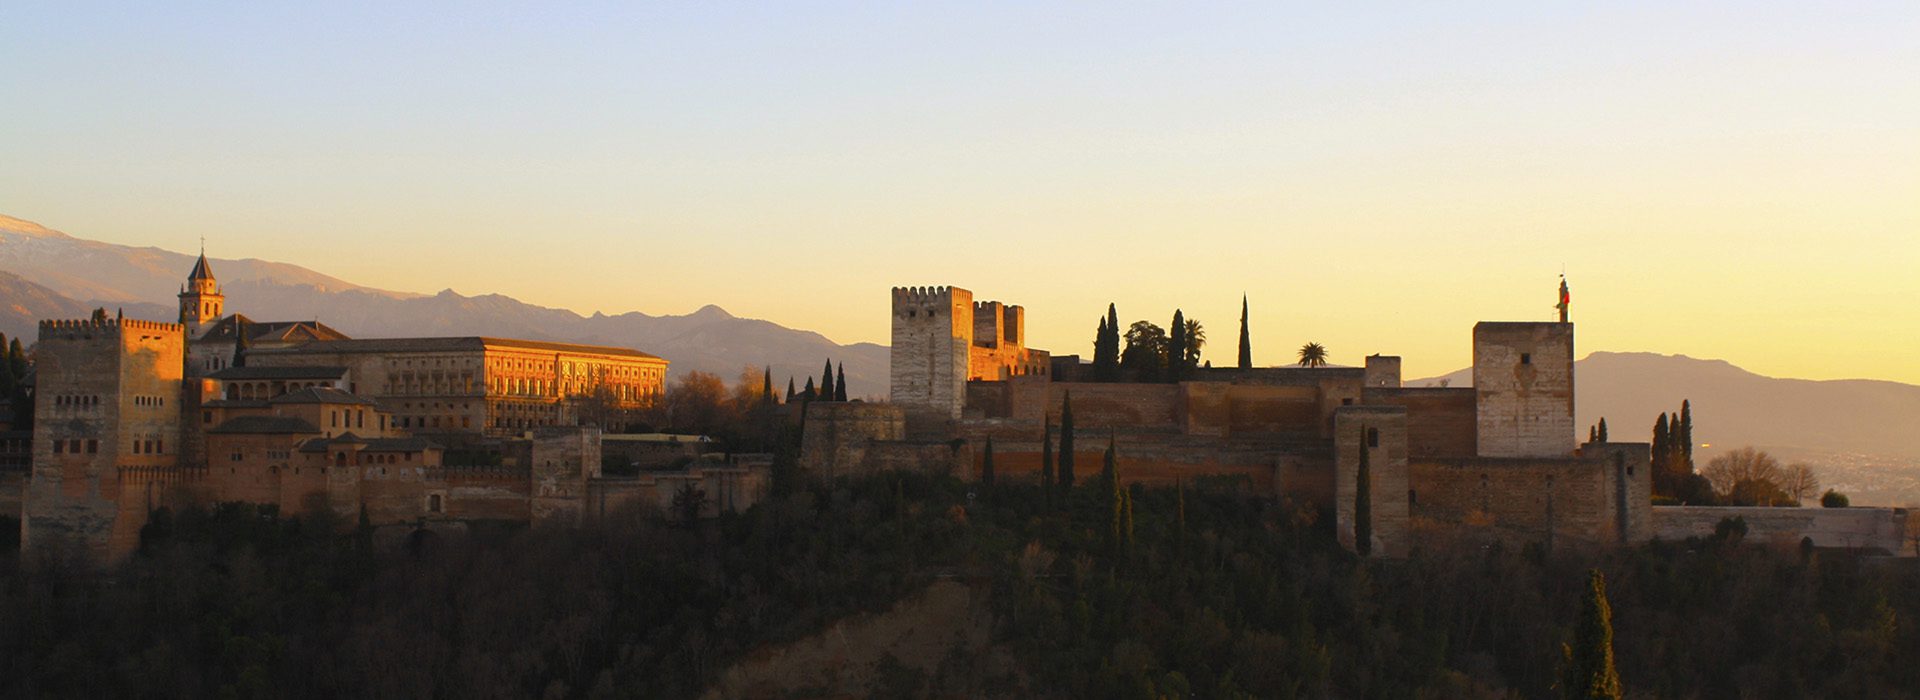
x,y
1731,180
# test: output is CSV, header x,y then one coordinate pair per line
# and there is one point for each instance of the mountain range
x,y
1863,434
45,273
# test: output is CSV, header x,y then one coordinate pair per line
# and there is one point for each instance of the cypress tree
x,y
1110,468
1676,445
1246,340
1603,429
1686,435
1177,348
840,384
1590,674
1066,444
1593,433
1662,481
240,343
17,359
790,393
1106,348
766,387
809,394
986,464
1046,465
1100,350
826,382
7,381
1129,531
1363,500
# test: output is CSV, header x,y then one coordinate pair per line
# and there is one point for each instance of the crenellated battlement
x,y
921,295
85,328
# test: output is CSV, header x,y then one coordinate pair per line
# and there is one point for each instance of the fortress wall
x,y
1216,409
1206,409
837,435
1268,410
1888,530
1100,406
1383,372
561,464
1161,460
1440,422
1381,433
989,399
730,489
500,495
1571,500
13,492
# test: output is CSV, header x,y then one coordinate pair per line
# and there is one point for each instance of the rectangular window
x,y
59,446
93,447
1526,358
206,416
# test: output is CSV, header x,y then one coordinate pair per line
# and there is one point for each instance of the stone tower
x,y
1523,388
108,424
201,302
933,330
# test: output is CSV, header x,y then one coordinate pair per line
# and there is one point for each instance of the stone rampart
x,y
1440,422
1881,530
1600,498
1380,432
836,435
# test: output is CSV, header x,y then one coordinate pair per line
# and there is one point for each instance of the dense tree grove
x,y
1151,353
1192,590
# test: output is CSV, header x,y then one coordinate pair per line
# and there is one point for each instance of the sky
x,y
1737,181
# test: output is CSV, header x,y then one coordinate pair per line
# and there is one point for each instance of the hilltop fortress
x,y
134,415
1498,459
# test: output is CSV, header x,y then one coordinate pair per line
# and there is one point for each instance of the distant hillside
x,y
23,304
1861,433
1735,407
115,274
143,282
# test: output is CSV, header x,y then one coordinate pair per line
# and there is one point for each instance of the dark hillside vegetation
x,y
1196,591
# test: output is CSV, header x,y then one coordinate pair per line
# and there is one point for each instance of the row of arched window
x,y
76,401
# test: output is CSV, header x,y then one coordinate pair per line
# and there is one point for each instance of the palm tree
x,y
1196,339
1313,355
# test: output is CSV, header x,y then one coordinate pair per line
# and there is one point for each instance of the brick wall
x,y
1440,422
1600,498
1381,431
1887,530
835,435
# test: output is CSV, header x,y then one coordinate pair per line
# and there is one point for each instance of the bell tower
x,y
201,302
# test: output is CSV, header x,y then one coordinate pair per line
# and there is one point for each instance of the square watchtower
x,y
107,408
